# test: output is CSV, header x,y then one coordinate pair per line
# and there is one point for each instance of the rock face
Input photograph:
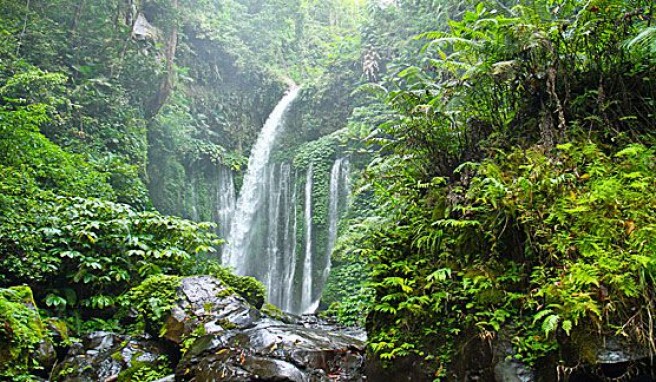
x,y
104,356
222,338
241,344
582,359
205,301
272,350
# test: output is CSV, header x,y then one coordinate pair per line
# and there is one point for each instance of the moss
x,y
152,300
249,288
190,339
21,331
59,328
72,370
145,371
226,324
225,292
117,356
272,310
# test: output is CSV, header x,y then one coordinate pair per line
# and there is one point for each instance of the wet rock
x,y
273,351
224,339
206,301
509,370
104,356
618,350
604,358
59,333
45,354
241,344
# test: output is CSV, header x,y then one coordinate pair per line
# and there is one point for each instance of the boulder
x,y
239,343
274,351
25,346
104,356
206,301
223,338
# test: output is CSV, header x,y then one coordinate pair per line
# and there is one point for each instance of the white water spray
x,y
250,198
307,302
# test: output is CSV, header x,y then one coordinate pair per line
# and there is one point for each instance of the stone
x,y
206,301
223,338
103,356
239,343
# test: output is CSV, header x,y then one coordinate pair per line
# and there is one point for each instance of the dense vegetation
x,y
106,110
512,178
503,150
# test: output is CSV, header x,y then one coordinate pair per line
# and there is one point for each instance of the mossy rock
x,y
145,371
272,311
58,330
24,343
108,356
247,287
151,301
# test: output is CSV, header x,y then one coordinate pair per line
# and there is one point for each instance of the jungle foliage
x,y
509,162
512,176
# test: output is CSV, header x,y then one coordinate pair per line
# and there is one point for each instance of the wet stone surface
x,y
102,356
224,339
257,347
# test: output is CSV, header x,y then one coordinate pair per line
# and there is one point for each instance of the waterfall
x,y
236,254
287,301
225,200
279,236
307,303
339,190
268,235
193,203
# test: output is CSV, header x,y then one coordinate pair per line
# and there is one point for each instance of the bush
x,y
85,252
538,245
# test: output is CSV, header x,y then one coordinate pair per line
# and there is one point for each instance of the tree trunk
x,y
166,86
22,34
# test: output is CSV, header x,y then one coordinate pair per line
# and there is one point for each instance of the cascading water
x,y
209,195
339,191
268,236
276,270
308,304
286,300
225,200
236,254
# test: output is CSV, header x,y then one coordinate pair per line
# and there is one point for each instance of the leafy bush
x,y
31,157
86,252
508,209
538,245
